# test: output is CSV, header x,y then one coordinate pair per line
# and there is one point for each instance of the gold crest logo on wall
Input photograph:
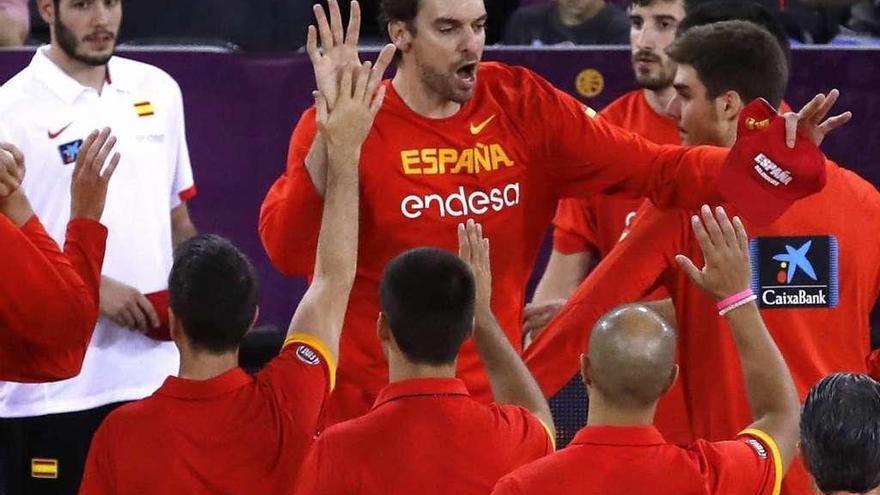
x,y
590,83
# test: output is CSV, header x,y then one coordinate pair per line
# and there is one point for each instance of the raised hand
x,y
359,99
725,247
11,169
810,119
88,188
473,249
337,50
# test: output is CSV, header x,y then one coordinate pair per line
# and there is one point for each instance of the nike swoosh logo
x,y
476,129
53,135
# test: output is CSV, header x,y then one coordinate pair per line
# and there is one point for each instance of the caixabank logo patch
x,y
795,272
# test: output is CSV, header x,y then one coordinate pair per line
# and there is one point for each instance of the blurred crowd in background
x,y
279,25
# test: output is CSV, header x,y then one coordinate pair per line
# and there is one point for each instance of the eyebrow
x,y
454,21
665,18
681,87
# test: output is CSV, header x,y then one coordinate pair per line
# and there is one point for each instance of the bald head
x,y
632,356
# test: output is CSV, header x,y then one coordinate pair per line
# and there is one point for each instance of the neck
x,y
659,99
400,369
204,365
602,413
569,18
419,98
90,76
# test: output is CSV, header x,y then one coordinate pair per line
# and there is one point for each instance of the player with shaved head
x,y
631,361
631,364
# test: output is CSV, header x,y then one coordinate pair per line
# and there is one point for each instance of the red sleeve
x,y
585,155
574,226
528,437
43,292
290,217
301,378
749,465
632,269
98,476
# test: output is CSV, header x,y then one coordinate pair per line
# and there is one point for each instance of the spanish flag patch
x,y
143,109
44,468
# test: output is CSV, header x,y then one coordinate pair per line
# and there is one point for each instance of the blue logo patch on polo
x,y
795,272
69,151
307,355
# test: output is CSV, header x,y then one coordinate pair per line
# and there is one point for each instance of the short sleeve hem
x,y
549,433
768,442
321,348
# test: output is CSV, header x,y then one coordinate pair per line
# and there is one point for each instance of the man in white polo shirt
x,y
72,86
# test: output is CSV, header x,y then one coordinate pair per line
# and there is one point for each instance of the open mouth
x,y
467,72
100,38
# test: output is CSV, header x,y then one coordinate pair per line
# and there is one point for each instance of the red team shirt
x,y
504,160
42,291
611,460
232,434
425,436
820,322
596,224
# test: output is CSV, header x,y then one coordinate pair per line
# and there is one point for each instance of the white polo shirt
x,y
45,113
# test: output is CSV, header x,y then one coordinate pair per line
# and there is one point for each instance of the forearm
x,y
563,275
17,208
510,379
322,310
336,258
182,228
84,247
769,386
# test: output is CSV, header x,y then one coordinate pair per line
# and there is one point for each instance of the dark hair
x,y
213,292
427,297
706,12
734,56
398,10
688,4
840,433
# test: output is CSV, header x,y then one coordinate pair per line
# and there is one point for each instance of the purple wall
x,y
241,109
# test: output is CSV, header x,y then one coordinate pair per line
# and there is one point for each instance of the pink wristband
x,y
739,296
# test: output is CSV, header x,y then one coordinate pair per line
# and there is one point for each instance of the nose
x,y
645,38
101,15
471,41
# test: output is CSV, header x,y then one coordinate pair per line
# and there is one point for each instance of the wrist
x,y
82,215
483,315
748,300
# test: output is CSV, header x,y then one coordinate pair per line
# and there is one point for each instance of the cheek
x,y
664,39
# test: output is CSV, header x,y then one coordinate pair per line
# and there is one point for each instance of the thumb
x,y
690,269
791,127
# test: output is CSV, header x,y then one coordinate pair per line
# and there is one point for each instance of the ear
x,y
256,317
586,372
729,106
382,329
673,377
175,328
46,8
400,35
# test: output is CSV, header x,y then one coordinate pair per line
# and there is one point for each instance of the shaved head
x,y
632,356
